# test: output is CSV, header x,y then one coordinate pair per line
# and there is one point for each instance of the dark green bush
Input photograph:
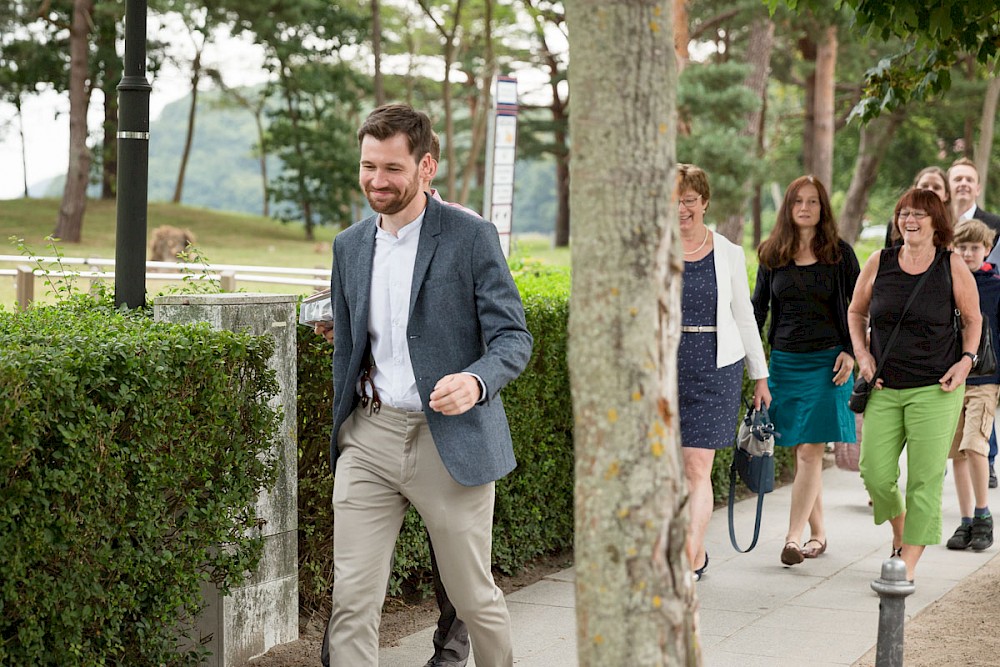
x,y
131,457
534,504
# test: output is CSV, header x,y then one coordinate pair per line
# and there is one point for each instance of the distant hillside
x,y
223,174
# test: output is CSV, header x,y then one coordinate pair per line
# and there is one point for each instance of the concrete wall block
x,y
263,612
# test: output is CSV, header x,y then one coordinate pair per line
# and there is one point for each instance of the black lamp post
x,y
133,163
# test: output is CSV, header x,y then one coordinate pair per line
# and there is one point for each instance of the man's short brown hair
x,y
389,120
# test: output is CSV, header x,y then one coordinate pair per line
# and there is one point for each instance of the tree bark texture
x,y
681,35
450,49
985,146
823,120
19,114
479,111
759,48
378,85
634,595
875,139
189,136
74,201
112,74
559,108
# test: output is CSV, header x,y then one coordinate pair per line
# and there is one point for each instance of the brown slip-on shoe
x,y
813,552
791,554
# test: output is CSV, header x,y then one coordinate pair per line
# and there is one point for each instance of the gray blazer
x,y
465,315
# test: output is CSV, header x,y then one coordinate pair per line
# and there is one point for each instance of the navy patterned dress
x,y
709,397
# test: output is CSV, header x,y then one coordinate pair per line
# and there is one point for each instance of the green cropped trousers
x,y
922,421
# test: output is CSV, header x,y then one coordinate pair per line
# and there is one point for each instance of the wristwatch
x,y
971,355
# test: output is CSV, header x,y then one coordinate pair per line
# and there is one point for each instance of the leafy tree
x,y
551,136
936,34
712,101
23,65
312,130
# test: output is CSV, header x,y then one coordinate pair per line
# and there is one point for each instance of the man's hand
x,y
325,329
454,394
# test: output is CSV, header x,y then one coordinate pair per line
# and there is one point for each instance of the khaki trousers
x,y
387,462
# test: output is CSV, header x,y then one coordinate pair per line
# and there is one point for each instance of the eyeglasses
x,y
690,201
916,215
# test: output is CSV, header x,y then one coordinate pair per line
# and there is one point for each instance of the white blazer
x,y
737,336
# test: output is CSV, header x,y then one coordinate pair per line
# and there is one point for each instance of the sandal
x,y
813,552
791,554
897,552
700,572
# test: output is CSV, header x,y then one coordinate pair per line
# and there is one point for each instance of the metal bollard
x,y
892,588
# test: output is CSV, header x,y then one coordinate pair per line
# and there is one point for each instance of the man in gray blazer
x,y
428,328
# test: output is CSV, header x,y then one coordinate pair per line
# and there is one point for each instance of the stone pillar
x,y
264,612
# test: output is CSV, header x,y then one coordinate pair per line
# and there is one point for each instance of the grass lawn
x,y
224,238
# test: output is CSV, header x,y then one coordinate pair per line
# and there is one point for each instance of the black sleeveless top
x,y
926,346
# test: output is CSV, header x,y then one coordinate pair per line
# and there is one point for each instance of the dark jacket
x,y
988,285
465,315
764,298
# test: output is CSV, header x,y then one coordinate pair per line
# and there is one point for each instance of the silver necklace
x,y
703,242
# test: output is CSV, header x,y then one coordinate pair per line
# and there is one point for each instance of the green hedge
x,y
129,452
534,504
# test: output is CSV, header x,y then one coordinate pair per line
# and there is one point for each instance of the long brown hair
x,y
934,207
780,246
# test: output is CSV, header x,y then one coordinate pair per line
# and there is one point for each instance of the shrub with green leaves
x,y
131,456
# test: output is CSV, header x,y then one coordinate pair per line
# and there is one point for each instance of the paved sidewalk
x,y
754,610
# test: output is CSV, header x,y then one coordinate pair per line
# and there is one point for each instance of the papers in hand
x,y
316,308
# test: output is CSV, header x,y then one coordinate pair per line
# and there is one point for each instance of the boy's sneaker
x,y
982,533
993,478
963,537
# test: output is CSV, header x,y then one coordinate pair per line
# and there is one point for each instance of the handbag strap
x,y
884,352
760,509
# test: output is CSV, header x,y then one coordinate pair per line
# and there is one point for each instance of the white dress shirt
x,y
968,215
389,312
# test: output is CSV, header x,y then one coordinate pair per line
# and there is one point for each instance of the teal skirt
x,y
806,406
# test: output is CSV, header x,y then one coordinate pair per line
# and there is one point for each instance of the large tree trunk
x,y
449,37
189,137
480,107
377,53
74,202
262,158
985,146
875,139
562,231
681,35
24,144
823,121
291,105
759,58
111,75
807,47
634,598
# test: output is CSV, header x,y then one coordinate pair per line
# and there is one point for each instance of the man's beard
x,y
396,203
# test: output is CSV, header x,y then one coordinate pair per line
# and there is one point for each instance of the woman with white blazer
x,y
718,332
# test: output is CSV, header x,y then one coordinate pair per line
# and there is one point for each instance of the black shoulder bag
x,y
863,388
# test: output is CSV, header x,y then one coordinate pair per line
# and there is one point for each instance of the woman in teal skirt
x,y
805,280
